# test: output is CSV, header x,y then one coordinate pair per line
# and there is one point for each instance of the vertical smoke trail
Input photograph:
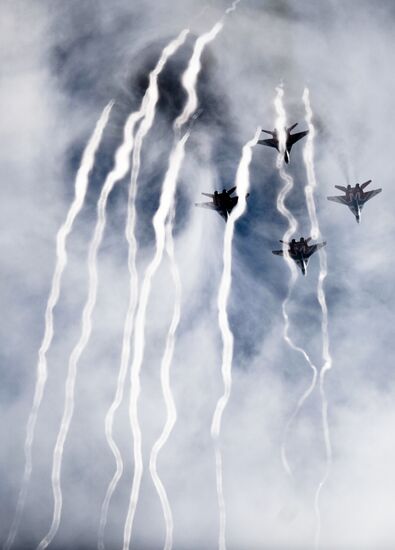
x,y
147,110
311,387
308,156
166,388
159,221
81,185
281,122
242,187
191,74
326,367
292,228
189,81
118,172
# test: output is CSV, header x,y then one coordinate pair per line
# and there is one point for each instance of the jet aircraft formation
x,y
299,251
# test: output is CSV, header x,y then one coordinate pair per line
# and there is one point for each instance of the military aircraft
x,y
223,203
300,251
355,197
290,140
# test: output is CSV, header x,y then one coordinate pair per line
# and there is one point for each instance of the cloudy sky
x,y
62,62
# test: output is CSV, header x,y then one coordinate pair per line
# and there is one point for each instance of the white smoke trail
x,y
242,187
281,123
300,350
191,74
120,169
147,110
159,221
166,388
232,7
326,367
81,185
189,81
308,156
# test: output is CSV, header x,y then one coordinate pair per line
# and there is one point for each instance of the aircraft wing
x,y
269,142
370,194
320,245
278,252
221,211
209,205
293,138
340,200
232,203
313,248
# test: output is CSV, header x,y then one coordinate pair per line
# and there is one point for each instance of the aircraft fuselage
x,y
299,258
356,206
301,262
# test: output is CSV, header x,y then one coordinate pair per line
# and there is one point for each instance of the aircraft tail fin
x,y
341,188
363,185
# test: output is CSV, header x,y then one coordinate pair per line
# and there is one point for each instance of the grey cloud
x,y
62,65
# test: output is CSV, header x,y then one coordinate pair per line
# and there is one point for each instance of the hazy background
x,y
61,63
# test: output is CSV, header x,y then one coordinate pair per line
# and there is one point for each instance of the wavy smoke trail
x,y
147,110
171,412
308,156
189,81
159,220
81,186
292,228
242,183
191,74
232,7
117,173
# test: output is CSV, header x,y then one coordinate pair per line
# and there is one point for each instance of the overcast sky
x,y
61,64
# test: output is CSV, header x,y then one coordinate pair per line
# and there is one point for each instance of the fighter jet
x,y
290,140
355,197
300,251
223,203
